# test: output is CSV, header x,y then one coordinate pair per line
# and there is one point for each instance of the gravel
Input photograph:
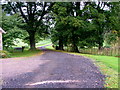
x,y
51,70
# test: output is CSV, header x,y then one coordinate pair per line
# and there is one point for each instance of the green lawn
x,y
26,53
108,66
43,42
20,43
49,47
109,61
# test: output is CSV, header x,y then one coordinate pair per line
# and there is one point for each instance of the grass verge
x,y
108,66
26,53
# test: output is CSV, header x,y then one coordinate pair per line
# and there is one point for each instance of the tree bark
x,y
100,42
77,8
74,45
75,48
100,45
32,41
61,44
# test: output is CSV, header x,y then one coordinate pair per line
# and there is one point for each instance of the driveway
x,y
51,70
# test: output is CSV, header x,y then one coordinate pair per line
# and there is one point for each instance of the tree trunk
x,y
100,47
61,44
75,48
32,41
100,44
78,8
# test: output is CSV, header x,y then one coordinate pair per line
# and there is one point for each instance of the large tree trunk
x,y
32,41
75,48
99,47
74,45
100,43
61,44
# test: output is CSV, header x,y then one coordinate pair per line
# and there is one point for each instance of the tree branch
x,y
43,12
34,8
12,7
19,6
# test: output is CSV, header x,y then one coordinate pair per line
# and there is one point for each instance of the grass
x,y
20,43
43,42
107,64
109,61
49,47
26,53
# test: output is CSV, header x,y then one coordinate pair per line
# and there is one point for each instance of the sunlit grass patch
x,y
49,47
25,53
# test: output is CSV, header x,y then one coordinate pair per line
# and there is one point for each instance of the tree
x,y
59,13
68,25
114,17
32,13
81,25
9,24
112,36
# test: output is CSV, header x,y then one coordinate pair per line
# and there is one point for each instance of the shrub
x,y
4,54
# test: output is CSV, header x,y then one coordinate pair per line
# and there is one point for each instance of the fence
x,y
105,51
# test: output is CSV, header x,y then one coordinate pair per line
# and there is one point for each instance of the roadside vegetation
x,y
4,54
25,53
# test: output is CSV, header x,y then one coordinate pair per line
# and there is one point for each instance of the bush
x,y
4,54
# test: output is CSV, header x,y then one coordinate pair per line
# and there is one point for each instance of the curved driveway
x,y
51,70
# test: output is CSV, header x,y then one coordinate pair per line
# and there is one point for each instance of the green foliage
x,y
32,18
73,25
83,29
111,37
114,17
67,25
9,24
4,54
